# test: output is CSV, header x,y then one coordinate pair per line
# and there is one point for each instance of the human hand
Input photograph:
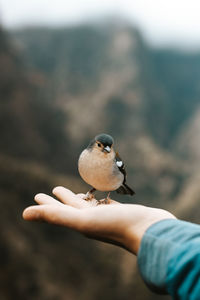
x,y
116,223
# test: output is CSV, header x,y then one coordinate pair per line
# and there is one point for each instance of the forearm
x,y
169,257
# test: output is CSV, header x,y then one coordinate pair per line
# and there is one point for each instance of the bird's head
x,y
102,142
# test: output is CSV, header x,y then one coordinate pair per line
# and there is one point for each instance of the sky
x,y
162,23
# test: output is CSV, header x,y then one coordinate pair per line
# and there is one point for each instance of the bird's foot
x,y
89,196
102,201
107,200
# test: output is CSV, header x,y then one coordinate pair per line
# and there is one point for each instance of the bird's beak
x,y
107,149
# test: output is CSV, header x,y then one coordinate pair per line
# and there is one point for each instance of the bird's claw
x,y
104,201
89,196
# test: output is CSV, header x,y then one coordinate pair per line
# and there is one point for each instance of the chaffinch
x,y
102,168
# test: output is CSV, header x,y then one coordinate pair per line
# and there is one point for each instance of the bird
x,y
102,168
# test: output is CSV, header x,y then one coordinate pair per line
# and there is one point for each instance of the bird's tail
x,y
125,189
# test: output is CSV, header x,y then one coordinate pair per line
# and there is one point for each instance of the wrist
x,y
137,229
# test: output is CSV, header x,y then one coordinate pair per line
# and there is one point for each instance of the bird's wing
x,y
120,165
124,188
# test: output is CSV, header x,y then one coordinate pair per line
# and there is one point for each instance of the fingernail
x,y
57,188
26,213
37,196
31,213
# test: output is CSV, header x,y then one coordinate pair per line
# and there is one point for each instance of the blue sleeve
x,y
169,259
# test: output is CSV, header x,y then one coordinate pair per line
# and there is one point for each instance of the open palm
x,y
120,224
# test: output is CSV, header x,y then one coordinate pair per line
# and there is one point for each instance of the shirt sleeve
x,y
169,259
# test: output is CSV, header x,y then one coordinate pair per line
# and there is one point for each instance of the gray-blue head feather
x,y
103,138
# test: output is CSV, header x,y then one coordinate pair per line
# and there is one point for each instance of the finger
x,y
46,199
68,197
80,195
65,215
63,194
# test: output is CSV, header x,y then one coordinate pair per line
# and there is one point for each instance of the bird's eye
x,y
99,145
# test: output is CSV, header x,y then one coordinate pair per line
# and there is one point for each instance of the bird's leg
x,y
106,200
89,196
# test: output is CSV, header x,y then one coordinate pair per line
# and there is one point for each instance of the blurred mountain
x,y
59,88
178,74
105,79
25,113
